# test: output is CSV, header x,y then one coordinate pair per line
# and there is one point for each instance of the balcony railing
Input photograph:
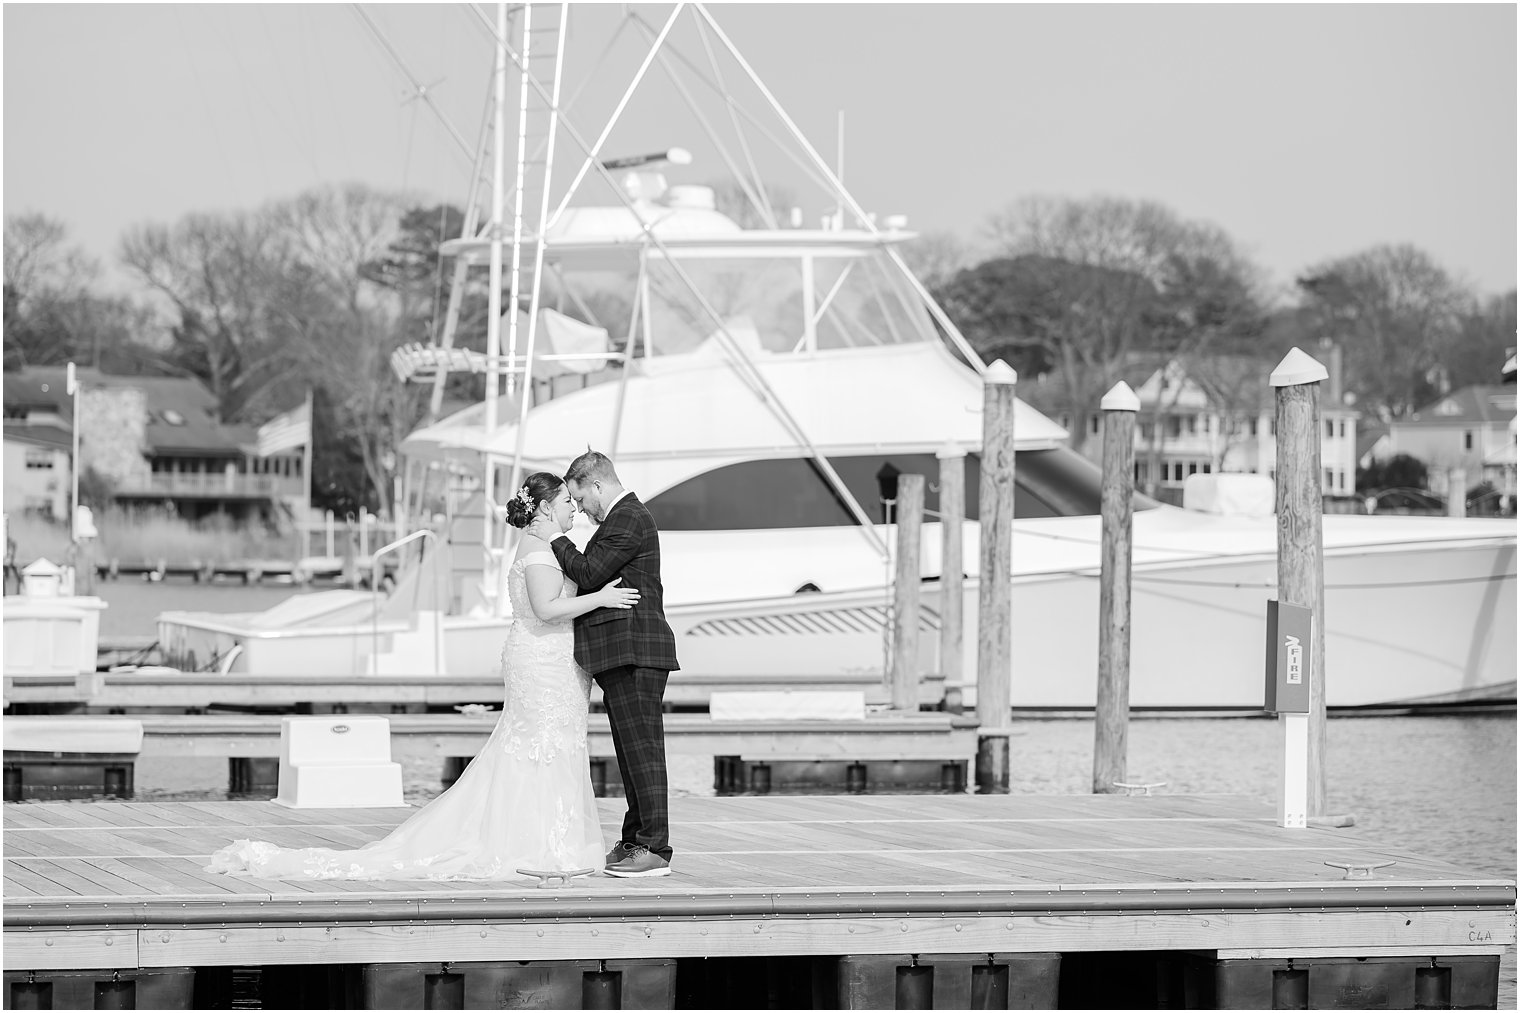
x,y
213,484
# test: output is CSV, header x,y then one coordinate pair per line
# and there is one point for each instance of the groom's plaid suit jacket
x,y
627,545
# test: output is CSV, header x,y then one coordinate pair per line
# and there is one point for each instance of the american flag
x,y
292,429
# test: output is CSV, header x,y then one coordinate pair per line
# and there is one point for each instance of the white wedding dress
x,y
524,803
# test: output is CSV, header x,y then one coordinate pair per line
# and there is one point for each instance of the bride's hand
x,y
614,597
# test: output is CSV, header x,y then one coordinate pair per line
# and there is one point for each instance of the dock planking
x,y
754,875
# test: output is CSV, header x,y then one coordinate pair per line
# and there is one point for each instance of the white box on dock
x,y
73,734
51,636
337,761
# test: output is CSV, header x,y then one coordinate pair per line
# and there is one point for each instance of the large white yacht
x,y
751,383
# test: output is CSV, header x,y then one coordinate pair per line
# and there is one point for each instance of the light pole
x,y
71,387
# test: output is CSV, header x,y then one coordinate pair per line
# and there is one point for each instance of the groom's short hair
x,y
592,467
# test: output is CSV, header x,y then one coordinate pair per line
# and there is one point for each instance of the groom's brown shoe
x,y
640,862
620,851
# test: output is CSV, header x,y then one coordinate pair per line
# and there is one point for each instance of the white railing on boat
x,y
423,362
440,601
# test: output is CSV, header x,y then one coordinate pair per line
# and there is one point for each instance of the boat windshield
x,y
777,300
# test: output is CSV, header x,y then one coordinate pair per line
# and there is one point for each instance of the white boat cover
x,y
686,414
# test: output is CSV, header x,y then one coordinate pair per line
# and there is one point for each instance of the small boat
x,y
755,382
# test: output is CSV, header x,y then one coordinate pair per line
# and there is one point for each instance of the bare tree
x,y
228,281
1094,283
1397,314
1487,338
347,335
54,311
373,411
937,256
336,231
37,258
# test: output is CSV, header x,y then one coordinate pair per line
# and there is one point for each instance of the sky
x,y
1306,132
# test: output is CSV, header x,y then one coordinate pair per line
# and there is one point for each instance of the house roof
x,y
1368,432
181,410
1478,404
39,388
55,437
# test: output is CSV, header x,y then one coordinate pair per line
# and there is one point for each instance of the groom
x,y
630,652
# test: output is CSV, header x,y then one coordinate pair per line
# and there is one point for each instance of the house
x,y
151,440
39,449
1203,416
1472,429
1371,442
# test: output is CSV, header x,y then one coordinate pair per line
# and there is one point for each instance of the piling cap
x,y
1298,367
1000,372
1120,398
42,567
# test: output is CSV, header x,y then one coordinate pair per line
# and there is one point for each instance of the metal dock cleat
x,y
1360,870
1139,789
554,879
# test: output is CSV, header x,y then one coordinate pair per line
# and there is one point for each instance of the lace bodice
x,y
517,593
546,691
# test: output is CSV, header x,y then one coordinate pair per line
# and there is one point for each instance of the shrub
x,y
149,534
1400,471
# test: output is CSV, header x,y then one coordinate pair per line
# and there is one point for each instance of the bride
x,y
526,801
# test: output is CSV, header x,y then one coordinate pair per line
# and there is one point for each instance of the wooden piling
x,y
994,647
952,514
907,577
1456,492
1111,728
1300,533
350,558
83,558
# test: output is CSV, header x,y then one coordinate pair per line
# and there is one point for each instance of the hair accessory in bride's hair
x,y
524,497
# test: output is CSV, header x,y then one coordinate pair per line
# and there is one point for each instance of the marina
x,y
913,619
745,363
1186,895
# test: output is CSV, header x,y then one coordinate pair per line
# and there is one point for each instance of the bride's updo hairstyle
x,y
540,485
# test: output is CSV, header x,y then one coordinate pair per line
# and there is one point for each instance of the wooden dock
x,y
902,736
826,878
167,688
882,752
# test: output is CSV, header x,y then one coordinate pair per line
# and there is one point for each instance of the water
x,y
133,605
1437,786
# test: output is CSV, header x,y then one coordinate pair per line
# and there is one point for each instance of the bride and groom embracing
x,y
525,802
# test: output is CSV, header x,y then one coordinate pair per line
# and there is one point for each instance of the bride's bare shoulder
x,y
529,545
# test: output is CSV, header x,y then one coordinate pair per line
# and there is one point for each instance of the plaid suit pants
x,y
634,708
